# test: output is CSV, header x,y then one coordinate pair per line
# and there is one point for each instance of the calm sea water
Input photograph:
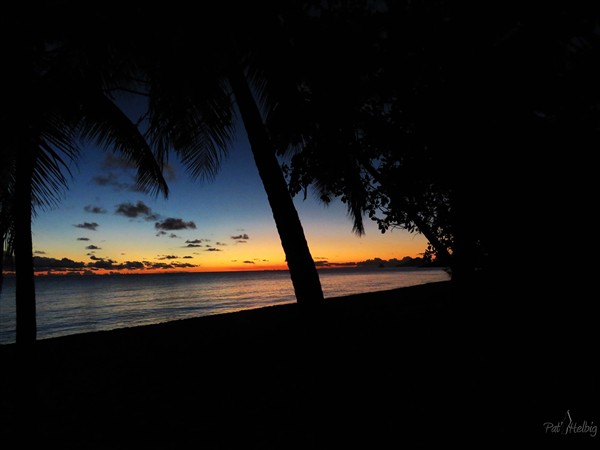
x,y
69,305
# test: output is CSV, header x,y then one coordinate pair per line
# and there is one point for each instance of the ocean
x,y
80,304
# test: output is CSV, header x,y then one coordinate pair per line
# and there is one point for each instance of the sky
x,y
102,224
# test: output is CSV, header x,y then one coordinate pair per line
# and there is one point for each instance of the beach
x,y
421,365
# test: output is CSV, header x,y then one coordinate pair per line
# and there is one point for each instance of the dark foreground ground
x,y
414,367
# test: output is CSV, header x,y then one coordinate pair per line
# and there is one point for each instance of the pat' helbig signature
x,y
569,426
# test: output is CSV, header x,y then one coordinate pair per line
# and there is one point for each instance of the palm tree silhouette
x,y
208,70
59,95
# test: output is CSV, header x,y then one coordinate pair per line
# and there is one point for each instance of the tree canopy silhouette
x,y
433,116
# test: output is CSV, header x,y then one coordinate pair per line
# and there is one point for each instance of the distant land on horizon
x,y
51,266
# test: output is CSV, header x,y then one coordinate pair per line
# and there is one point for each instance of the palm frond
x,y
197,124
48,178
105,123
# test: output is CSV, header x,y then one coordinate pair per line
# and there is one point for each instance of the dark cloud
x,y
240,236
83,239
172,223
87,226
249,262
42,263
112,180
221,244
133,265
213,249
192,245
188,257
101,263
164,266
196,241
39,252
140,209
45,264
407,261
94,257
161,233
168,257
109,264
169,172
174,236
241,242
94,209
112,161
92,247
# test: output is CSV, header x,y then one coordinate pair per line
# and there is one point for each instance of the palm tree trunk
x,y
303,272
25,282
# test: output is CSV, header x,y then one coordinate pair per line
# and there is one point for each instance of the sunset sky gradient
x,y
103,224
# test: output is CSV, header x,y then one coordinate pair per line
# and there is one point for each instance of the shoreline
x,y
385,295
332,267
378,369
190,297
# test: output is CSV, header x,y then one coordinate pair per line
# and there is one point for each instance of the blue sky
x,y
232,205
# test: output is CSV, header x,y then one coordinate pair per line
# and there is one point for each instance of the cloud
x,y
87,226
249,262
39,252
192,245
112,180
240,236
133,265
174,236
169,172
196,241
42,263
45,264
168,257
112,161
92,247
407,261
213,249
172,223
109,264
188,257
164,266
161,233
83,239
94,209
140,209
221,244
321,263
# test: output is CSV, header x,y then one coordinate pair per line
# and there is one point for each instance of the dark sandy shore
x,y
415,367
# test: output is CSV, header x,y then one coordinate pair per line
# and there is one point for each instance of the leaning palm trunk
x,y
23,247
303,272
